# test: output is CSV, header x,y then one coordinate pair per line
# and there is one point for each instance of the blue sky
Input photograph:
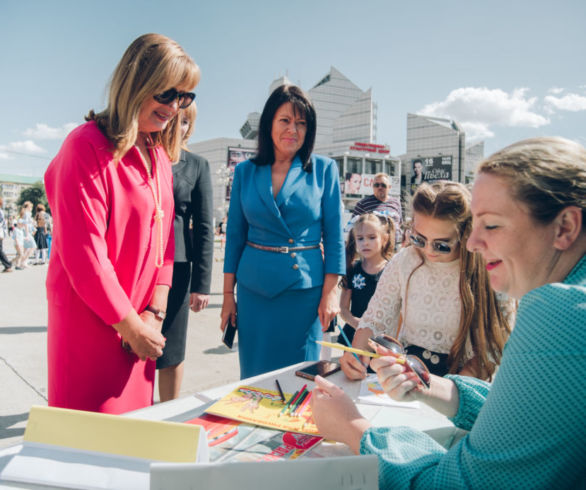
x,y
505,69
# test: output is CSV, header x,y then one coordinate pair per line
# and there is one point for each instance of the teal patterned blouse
x,y
527,429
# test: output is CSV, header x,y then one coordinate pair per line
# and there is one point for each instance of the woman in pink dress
x,y
110,190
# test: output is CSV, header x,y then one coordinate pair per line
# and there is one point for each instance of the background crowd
x,y
31,235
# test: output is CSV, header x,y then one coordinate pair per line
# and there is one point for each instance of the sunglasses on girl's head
x,y
412,362
440,246
168,96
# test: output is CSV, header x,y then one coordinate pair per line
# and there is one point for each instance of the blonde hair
x,y
385,226
482,320
152,64
546,174
189,115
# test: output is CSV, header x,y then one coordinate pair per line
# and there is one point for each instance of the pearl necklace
x,y
156,192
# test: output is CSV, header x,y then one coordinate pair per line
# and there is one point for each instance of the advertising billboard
x,y
235,156
360,185
430,169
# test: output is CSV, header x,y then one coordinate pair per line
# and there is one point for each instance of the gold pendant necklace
x,y
155,186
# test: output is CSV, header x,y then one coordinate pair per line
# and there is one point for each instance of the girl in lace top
x,y
450,317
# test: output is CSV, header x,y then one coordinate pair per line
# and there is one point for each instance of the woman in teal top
x,y
527,429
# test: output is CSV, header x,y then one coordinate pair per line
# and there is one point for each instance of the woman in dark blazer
x,y
192,268
284,203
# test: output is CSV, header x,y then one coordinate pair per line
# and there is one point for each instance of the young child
x,y
18,237
369,247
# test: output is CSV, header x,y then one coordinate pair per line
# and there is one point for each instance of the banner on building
x,y
360,185
235,156
430,169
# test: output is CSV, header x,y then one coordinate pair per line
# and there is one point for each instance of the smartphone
x,y
229,334
321,368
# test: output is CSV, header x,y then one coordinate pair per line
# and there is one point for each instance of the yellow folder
x,y
88,431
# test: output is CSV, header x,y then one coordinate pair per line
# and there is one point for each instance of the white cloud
x,y
569,102
479,108
45,132
20,147
476,130
555,90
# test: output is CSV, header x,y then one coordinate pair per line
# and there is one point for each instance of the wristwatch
x,y
159,314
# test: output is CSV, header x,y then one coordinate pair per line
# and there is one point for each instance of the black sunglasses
x,y
440,246
168,96
380,184
412,362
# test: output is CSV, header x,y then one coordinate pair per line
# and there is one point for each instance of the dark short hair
x,y
301,105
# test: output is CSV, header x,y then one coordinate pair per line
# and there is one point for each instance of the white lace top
x,y
432,317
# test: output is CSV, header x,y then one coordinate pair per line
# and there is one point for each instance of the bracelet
x,y
228,292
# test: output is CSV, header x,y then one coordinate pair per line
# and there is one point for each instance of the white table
x,y
189,407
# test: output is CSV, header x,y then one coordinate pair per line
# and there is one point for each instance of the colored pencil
x,y
298,402
293,396
347,341
280,390
304,405
400,360
294,399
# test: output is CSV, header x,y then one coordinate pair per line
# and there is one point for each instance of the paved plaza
x,y
23,342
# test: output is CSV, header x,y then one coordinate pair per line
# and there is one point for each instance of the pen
x,y
347,341
280,390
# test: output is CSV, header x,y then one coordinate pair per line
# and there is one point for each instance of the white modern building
x,y
438,145
345,114
346,132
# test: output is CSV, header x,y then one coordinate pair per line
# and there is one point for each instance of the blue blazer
x,y
307,210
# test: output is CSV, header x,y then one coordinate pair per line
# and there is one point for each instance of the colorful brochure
x,y
259,406
231,440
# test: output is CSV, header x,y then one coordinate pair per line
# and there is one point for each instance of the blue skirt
x,y
277,332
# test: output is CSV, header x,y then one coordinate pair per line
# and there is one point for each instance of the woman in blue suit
x,y
284,203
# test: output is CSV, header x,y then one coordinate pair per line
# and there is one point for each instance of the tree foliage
x,y
35,194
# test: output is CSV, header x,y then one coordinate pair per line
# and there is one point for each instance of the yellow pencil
x,y
400,360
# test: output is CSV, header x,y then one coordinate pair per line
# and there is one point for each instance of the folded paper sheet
x,y
60,447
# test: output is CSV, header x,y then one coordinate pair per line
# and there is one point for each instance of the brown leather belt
x,y
282,250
